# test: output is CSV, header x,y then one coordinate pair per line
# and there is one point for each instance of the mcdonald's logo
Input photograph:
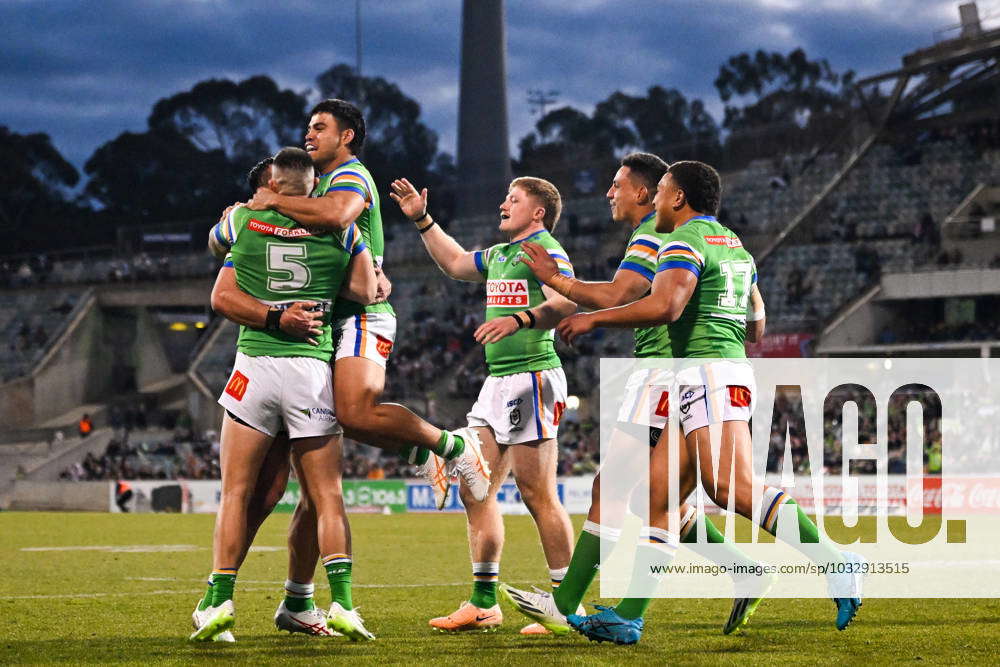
x,y
237,385
739,397
383,345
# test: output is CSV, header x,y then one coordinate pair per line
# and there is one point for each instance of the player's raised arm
x,y
237,306
755,316
625,287
447,253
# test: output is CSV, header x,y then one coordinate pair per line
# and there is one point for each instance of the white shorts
x,y
719,391
646,401
369,335
271,393
522,407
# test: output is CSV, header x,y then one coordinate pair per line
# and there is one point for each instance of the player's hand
x,y
300,321
411,203
384,286
229,209
575,326
539,261
495,330
263,200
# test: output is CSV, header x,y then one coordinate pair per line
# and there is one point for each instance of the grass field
x,y
63,603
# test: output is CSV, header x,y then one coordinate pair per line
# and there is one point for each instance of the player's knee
x,y
721,496
539,499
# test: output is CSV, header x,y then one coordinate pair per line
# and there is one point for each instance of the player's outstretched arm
x,y
332,211
237,306
446,252
361,285
626,287
672,289
755,316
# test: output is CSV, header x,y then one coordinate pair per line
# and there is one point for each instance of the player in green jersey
x,y
518,410
703,289
280,380
631,200
346,194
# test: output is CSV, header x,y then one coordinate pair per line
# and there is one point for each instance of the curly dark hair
x,y
647,168
701,185
255,177
348,118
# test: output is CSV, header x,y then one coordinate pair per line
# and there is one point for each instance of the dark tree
x,y
244,120
160,175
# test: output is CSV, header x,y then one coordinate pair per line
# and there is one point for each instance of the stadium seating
x,y
29,323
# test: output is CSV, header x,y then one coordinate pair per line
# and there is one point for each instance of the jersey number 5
x,y
287,261
739,276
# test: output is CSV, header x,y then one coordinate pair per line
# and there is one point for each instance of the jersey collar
x,y
705,218
342,164
527,238
649,216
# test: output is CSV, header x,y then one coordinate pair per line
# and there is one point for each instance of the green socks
x,y
223,582
448,446
484,584
338,573
656,550
299,597
818,550
587,556
206,601
415,456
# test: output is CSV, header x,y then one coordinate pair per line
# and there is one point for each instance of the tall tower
x,y
483,144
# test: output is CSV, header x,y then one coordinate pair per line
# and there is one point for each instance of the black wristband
x,y
424,229
422,216
273,321
531,318
520,322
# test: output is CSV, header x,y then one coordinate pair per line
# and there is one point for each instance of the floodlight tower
x,y
483,144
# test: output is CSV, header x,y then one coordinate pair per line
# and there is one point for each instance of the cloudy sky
x,y
85,70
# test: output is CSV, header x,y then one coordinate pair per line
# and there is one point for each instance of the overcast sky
x,y
84,71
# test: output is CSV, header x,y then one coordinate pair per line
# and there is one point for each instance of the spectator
x,y
85,426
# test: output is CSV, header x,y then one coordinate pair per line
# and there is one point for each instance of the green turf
x,y
134,620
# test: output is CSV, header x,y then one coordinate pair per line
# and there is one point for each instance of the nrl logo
x,y
517,259
515,416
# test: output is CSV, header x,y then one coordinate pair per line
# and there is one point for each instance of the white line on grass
x,y
274,585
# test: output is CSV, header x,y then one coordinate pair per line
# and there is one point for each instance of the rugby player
x,y
346,194
519,407
705,281
631,201
280,380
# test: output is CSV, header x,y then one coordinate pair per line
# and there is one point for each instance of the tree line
x,y
199,144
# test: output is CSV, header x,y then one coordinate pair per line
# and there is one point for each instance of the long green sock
x,y
818,550
223,583
449,445
484,584
299,597
656,548
587,557
338,573
206,601
726,553
415,455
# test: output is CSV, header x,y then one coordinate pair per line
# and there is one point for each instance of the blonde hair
x,y
545,194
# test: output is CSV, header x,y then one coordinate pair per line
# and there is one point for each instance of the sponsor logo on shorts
x,y
557,412
730,241
663,405
237,385
274,230
383,345
515,416
319,414
513,293
516,401
739,397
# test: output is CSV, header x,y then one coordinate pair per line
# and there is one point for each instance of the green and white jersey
x,y
352,176
278,262
640,256
714,321
510,288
